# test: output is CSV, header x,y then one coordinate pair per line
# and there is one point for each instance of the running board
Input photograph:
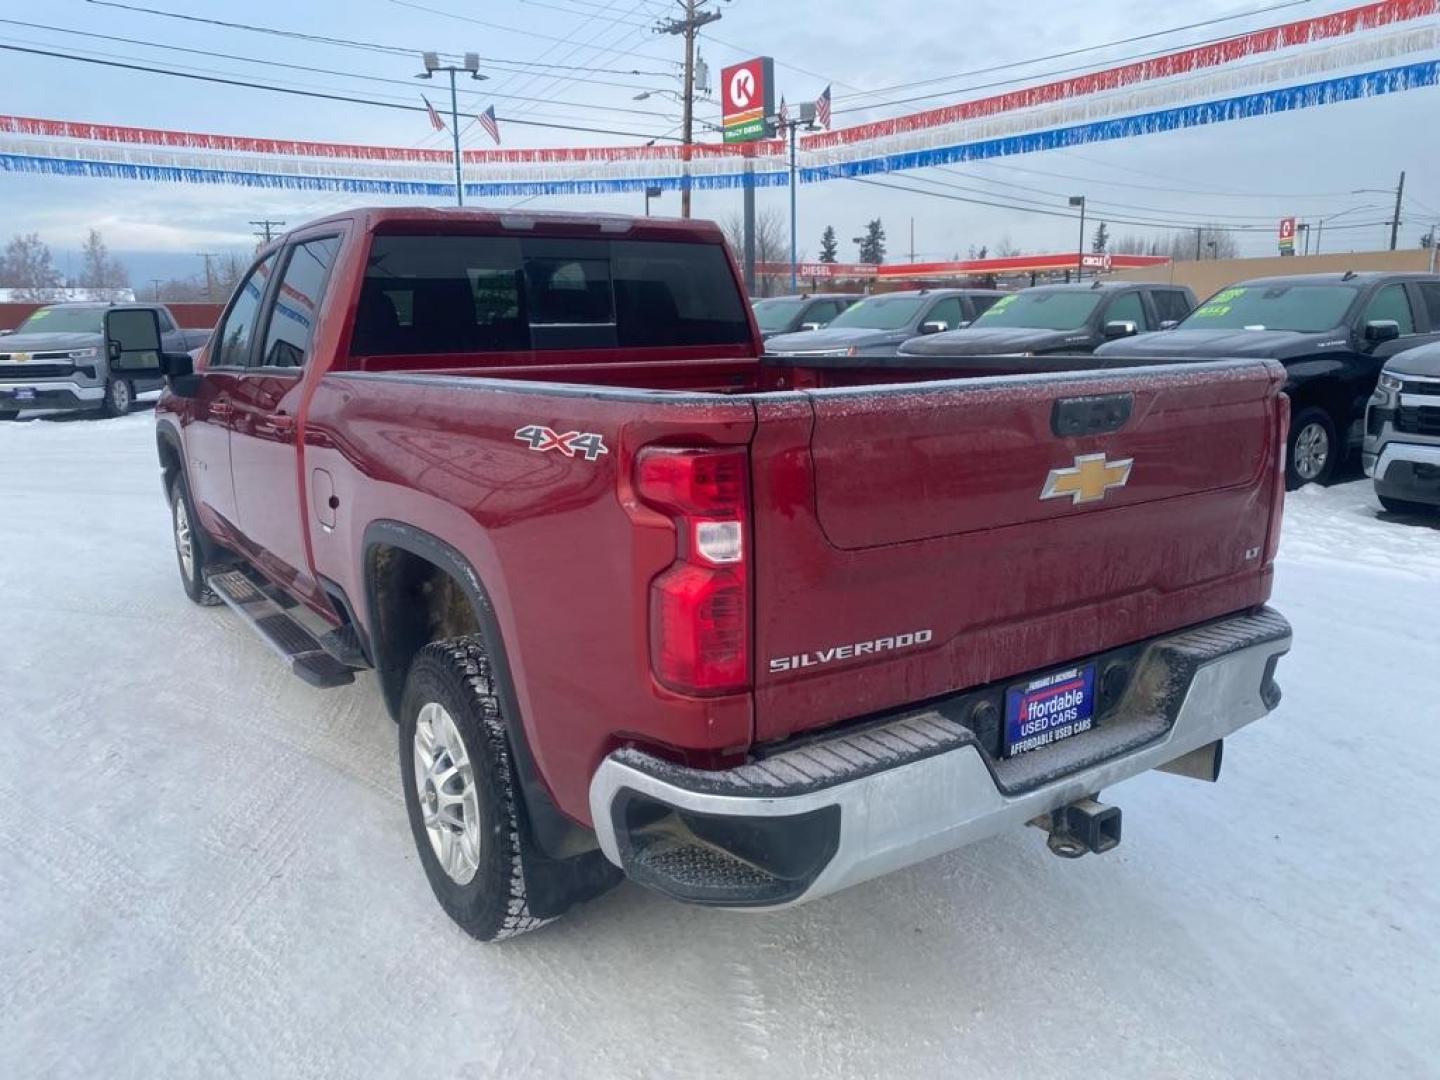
x,y
292,642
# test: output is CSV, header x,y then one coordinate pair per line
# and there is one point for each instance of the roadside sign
x,y
1287,236
1099,260
747,97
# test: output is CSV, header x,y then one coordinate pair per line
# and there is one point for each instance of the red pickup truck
x,y
748,629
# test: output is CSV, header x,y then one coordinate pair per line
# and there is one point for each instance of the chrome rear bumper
x,y
829,813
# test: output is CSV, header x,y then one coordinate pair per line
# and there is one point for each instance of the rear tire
x,y
460,792
119,397
189,552
1402,506
1312,450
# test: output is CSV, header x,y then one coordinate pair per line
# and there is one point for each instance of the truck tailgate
x,y
945,535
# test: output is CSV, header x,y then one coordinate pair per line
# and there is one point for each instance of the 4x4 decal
x,y
589,444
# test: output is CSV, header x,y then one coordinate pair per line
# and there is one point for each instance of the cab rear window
x,y
463,294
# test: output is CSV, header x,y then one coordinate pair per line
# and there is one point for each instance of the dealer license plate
x,y
1045,710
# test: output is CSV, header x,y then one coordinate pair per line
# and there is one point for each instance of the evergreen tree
x,y
829,245
1102,238
872,244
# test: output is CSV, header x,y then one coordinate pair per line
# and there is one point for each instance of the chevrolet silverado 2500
x,y
748,630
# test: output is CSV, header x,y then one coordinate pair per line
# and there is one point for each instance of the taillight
x,y
1277,506
700,606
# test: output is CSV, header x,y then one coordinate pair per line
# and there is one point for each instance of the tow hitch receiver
x,y
1082,826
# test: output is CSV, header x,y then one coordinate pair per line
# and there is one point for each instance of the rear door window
x,y
462,294
1430,295
236,334
292,317
981,304
1171,305
1391,302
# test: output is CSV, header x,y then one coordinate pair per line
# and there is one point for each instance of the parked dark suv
x,y
1061,319
787,314
1333,333
878,324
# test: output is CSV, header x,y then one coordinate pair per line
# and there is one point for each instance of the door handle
x,y
282,423
220,410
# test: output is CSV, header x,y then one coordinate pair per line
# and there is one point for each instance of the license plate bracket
x,y
1048,709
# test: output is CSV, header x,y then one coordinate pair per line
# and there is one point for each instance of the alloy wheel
x,y
445,786
1312,450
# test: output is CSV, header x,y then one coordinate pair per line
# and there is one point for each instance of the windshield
x,y
776,314
63,320
1304,308
1041,310
879,313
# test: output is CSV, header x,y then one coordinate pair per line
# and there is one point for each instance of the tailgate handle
x,y
1090,415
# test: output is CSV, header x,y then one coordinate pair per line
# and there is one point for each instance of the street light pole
x,y
472,66
1079,200
804,115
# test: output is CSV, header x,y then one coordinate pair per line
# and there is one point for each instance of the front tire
x,y
189,553
1312,450
119,397
460,794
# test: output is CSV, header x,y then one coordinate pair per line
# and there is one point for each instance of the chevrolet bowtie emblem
x,y
1087,480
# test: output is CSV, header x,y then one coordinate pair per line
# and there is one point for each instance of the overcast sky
x,y
1305,163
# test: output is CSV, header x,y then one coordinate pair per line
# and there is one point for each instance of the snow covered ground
x,y
205,868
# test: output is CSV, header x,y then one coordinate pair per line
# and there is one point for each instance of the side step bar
x,y
293,643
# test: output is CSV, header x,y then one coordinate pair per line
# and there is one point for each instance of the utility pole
x,y
695,17
155,284
209,274
1395,221
265,224
472,66
1197,243
912,240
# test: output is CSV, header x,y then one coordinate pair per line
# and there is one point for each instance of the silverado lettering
x,y
848,652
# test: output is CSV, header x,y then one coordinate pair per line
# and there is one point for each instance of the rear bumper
x,y
48,395
821,815
1409,471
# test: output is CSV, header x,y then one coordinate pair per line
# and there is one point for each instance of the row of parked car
x,y
1361,350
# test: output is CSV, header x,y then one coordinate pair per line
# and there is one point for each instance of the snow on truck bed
x,y
205,867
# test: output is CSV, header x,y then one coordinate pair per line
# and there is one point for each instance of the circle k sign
x,y
746,90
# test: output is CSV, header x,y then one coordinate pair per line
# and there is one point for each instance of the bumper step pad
x,y
294,644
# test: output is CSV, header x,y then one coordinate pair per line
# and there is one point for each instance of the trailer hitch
x,y
1083,826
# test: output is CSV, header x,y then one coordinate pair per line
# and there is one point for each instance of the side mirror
x,y
812,326
132,340
934,326
1169,324
1118,328
1378,330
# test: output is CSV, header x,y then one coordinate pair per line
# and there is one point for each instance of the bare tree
x,y
99,270
1203,242
27,266
1005,249
772,245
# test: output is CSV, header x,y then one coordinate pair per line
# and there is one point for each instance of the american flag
x,y
782,113
822,108
490,124
435,121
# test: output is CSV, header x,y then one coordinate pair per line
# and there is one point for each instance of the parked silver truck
x,y
58,360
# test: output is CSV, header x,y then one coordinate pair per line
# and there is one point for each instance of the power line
x,y
282,64
318,94
1079,51
349,43
1064,214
